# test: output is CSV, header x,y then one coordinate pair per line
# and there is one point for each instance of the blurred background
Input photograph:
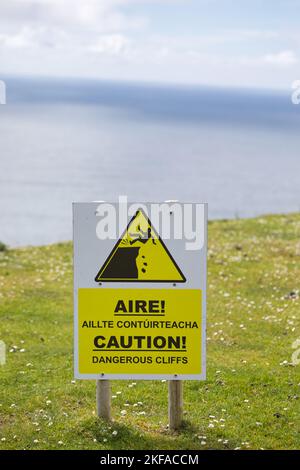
x,y
156,100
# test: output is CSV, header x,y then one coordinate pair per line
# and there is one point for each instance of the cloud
x,y
33,38
112,44
97,26
80,17
115,39
282,59
16,41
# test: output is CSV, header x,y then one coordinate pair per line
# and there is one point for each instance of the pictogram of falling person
x,y
142,236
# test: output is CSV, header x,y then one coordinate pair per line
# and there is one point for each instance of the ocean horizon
x,y
82,140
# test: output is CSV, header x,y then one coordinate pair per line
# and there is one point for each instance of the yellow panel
x,y
139,331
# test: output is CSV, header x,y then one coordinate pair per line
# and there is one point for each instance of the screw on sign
x,y
140,299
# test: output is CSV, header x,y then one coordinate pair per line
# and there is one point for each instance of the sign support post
x,y
103,399
175,404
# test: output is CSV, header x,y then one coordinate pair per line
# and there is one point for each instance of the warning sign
x,y
140,331
140,256
139,298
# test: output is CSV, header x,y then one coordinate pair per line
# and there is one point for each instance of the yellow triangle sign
x,y
140,255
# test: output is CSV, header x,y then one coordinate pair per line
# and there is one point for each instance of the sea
x,y
85,140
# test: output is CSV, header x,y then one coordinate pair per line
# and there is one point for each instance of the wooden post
x,y
175,404
103,399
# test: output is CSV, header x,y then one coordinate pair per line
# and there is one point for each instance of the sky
x,y
238,43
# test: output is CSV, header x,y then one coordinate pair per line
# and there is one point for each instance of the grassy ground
x,y
250,398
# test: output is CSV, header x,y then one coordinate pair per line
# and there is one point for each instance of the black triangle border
x,y
118,243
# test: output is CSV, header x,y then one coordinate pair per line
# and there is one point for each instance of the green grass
x,y
250,398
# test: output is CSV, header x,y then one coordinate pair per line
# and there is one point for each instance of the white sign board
x,y
140,290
